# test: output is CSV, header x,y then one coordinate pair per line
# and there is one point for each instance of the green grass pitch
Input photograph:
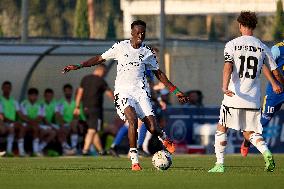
x,y
188,171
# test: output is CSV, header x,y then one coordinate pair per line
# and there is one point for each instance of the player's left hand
x,y
277,89
182,98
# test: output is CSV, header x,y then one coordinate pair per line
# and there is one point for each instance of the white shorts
x,y
141,102
240,119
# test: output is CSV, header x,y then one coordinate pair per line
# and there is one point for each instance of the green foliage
x,y
278,33
81,26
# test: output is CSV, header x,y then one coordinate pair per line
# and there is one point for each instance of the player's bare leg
x,y
88,140
153,128
220,146
257,140
131,116
97,143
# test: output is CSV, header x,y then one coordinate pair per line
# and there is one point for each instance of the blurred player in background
x,y
272,101
245,56
132,93
11,110
33,116
91,91
67,121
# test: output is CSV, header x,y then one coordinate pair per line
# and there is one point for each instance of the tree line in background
x,y
102,19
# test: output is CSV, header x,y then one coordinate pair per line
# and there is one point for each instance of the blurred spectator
x,y
196,98
33,117
67,120
10,126
91,93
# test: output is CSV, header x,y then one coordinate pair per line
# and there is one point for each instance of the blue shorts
x,y
271,104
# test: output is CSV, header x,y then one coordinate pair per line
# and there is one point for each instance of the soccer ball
x,y
162,160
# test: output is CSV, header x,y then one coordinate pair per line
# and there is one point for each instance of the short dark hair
x,y
48,90
138,23
66,86
32,91
6,83
248,19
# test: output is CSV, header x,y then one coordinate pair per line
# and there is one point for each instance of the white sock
x,y
65,145
35,145
42,145
146,142
10,140
163,137
220,149
92,148
21,146
133,155
261,145
74,140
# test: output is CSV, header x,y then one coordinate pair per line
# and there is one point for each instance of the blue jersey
x,y
278,55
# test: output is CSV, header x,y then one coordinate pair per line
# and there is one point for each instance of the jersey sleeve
x,y
151,62
23,109
268,59
229,52
112,52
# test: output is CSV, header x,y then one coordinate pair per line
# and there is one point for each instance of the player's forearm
x,y
92,61
110,94
161,76
79,97
278,76
227,71
268,75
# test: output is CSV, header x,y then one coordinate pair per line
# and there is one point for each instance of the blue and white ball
x,y
162,160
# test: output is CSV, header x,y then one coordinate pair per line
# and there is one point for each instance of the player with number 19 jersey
x,y
247,54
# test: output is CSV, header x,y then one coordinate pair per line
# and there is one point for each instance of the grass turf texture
x,y
108,172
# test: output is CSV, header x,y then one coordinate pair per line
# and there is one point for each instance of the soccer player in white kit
x,y
245,56
132,92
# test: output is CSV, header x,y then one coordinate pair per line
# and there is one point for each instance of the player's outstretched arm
x,y
161,76
91,62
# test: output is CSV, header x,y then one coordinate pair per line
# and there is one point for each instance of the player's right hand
x,y
69,68
228,92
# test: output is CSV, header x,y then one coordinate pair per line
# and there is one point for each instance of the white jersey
x,y
247,54
132,65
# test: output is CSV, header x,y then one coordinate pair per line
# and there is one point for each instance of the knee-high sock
x,y
260,145
74,140
21,146
141,135
10,140
119,136
146,142
134,155
35,145
220,137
